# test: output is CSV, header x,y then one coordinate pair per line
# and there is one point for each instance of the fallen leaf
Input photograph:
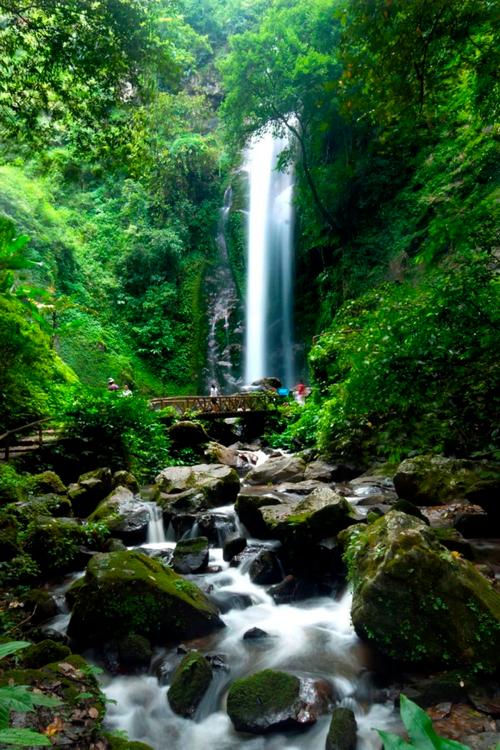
x,y
54,727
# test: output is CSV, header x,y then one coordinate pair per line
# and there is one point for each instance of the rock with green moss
x,y
186,434
416,601
248,504
91,488
134,653
218,484
55,544
276,470
342,731
191,555
270,701
69,679
45,652
40,604
431,480
129,592
124,478
189,684
126,517
118,743
46,483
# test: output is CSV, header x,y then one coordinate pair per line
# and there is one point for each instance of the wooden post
x,y
40,436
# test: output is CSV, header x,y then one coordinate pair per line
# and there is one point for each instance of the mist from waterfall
x,y
269,346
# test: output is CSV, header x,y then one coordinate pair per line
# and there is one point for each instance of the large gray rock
x,y
272,701
126,517
218,484
276,470
90,489
416,601
128,592
191,555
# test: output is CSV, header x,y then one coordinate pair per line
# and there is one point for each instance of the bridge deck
x,y
212,407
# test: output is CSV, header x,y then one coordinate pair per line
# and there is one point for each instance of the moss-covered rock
x,y
128,592
191,555
189,684
118,743
40,604
55,544
418,602
270,700
126,518
186,434
46,483
431,480
343,730
134,652
90,489
45,652
248,505
124,478
276,470
218,484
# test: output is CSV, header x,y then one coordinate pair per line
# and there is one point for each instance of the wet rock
x,y
218,484
270,701
182,503
255,634
189,684
128,592
265,569
247,506
343,730
40,604
233,547
88,492
191,555
293,589
416,601
125,516
217,661
134,653
276,470
124,478
447,687
217,527
114,545
320,471
228,600
220,454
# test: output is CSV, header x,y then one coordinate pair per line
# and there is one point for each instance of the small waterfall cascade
x,y
223,312
269,346
156,531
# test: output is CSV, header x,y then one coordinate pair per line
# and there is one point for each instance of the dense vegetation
x,y
114,165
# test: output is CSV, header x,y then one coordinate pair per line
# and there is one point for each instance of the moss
x,y
46,482
43,653
41,604
266,692
12,485
118,743
192,546
55,544
342,731
189,684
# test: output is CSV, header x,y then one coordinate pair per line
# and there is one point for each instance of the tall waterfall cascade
x,y
223,312
269,345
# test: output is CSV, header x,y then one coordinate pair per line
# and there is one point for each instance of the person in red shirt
x,y
112,386
300,392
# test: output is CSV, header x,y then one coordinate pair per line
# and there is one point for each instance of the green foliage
x,y
13,486
120,431
19,698
420,731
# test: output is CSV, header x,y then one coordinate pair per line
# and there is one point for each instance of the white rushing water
x,y
314,638
269,319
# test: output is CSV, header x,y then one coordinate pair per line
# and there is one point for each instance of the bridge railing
x,y
213,405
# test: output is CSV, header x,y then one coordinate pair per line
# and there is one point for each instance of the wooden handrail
x,y
259,401
37,423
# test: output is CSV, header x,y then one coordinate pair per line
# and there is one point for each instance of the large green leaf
x,y
421,731
393,741
23,738
11,647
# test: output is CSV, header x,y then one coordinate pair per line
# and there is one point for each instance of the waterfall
x,y
156,532
269,303
222,313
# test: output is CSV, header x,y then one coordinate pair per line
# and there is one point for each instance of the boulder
x,y
265,569
233,546
186,434
320,471
118,743
191,555
46,483
343,730
220,454
124,478
430,480
416,601
55,544
189,684
227,600
45,652
40,604
128,592
180,503
134,653
270,701
218,484
255,634
126,518
247,506
276,470
91,488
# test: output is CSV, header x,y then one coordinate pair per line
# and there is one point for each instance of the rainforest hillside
x,y
121,126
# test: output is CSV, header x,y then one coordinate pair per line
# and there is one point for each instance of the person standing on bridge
x,y
214,392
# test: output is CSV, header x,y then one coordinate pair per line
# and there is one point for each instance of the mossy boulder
x,y
431,480
248,504
218,484
40,604
189,684
270,701
124,478
79,718
46,483
416,601
45,652
134,653
118,743
191,555
91,488
342,731
129,592
55,544
186,434
125,516
276,470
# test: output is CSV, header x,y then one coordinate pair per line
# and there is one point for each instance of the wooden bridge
x,y
216,407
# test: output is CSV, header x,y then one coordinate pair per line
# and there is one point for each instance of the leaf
x,y
10,648
40,699
421,731
23,738
393,741
16,698
55,726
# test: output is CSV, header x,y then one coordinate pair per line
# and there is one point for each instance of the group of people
x,y
112,386
300,392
